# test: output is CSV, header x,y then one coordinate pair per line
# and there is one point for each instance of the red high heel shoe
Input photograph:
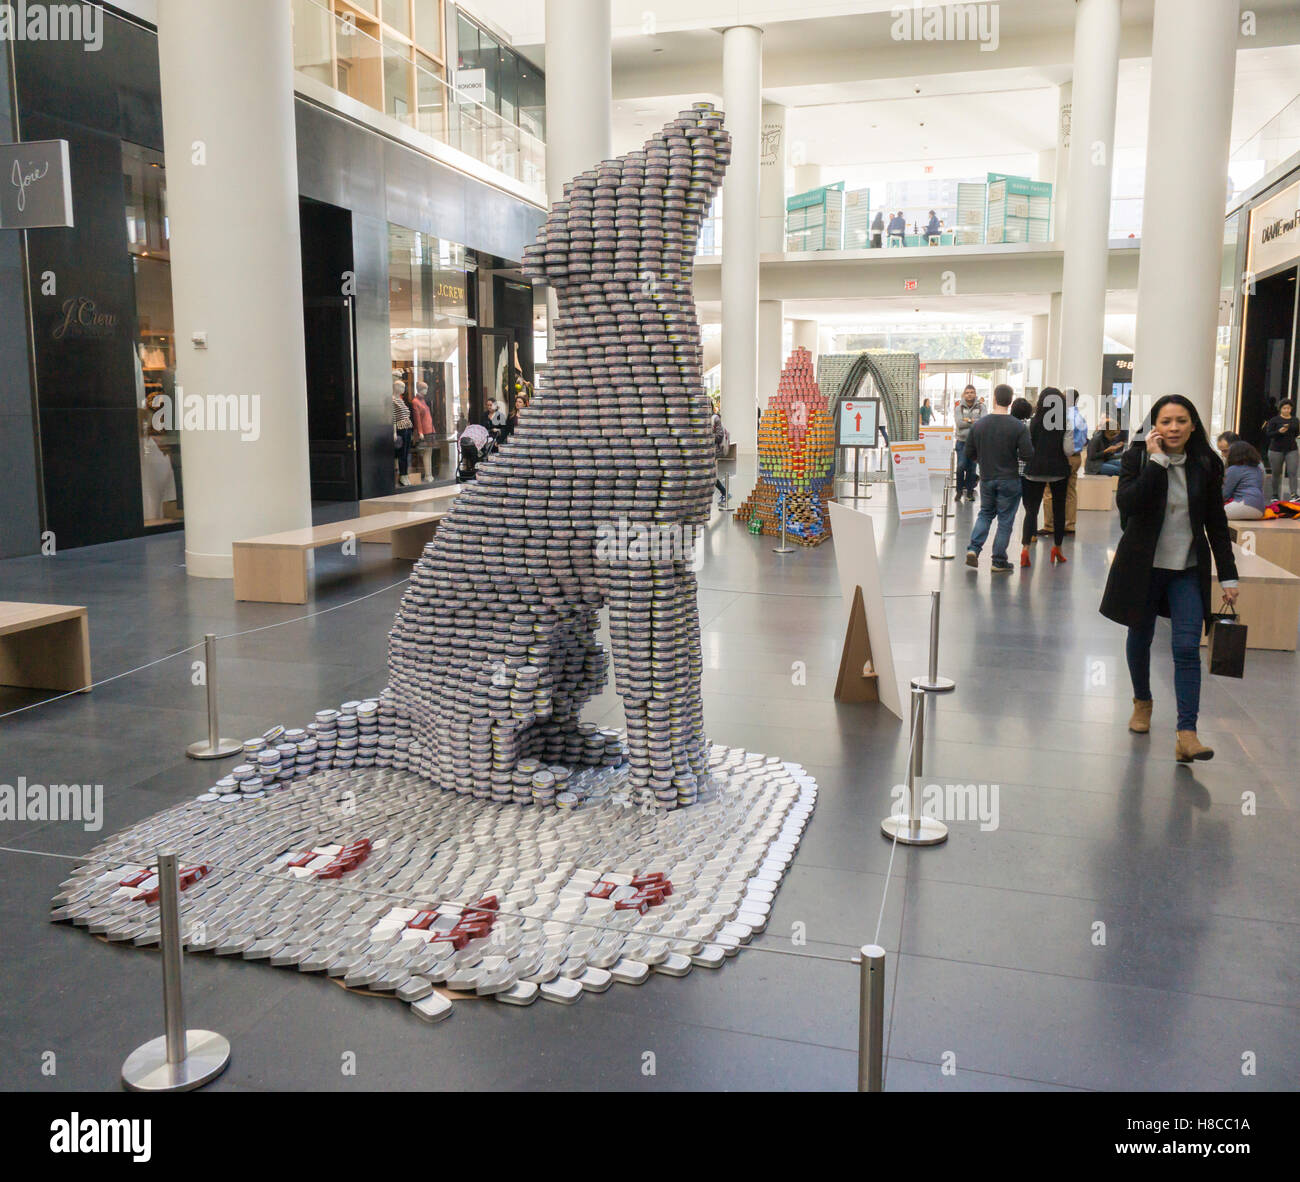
x,y
1024,556
1057,556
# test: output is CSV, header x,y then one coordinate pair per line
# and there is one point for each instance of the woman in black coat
x,y
1170,500
1053,442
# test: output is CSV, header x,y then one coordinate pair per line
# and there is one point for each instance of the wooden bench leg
x,y
50,657
268,574
409,541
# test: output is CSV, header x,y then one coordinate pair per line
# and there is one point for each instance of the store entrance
x,y
328,321
1267,354
496,371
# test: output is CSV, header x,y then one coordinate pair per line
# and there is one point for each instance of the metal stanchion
x,y
726,483
933,683
214,747
783,548
943,533
180,1060
871,1020
914,829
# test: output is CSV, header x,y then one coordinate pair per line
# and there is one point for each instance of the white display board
x,y
939,443
911,480
858,422
855,557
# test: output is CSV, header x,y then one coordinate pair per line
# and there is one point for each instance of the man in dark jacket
x,y
997,443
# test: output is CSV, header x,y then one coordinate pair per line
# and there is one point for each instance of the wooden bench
x,y
273,569
1278,540
44,646
1268,602
425,500
1097,492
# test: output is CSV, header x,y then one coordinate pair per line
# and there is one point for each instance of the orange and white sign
x,y
911,480
939,443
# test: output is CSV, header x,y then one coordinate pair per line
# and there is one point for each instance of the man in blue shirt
x,y
1079,426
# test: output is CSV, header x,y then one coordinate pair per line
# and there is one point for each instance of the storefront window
x,y
430,333
148,241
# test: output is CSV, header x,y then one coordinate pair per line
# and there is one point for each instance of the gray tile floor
x,y
997,979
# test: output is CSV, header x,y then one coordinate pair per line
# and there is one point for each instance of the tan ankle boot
x,y
1189,747
1140,723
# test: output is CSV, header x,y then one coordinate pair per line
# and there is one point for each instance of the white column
x,y
1038,345
807,176
771,240
579,90
771,351
1053,370
236,268
771,181
805,336
1061,181
742,81
579,99
1087,229
1193,66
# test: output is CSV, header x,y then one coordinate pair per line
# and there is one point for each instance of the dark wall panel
x,y
20,518
84,335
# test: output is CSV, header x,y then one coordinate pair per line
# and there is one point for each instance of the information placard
x,y
939,442
859,421
911,480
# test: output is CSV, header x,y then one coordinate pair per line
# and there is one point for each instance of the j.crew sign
x,y
35,186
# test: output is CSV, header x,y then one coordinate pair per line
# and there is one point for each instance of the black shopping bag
x,y
1227,648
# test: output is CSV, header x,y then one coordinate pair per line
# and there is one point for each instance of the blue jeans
x,y
967,478
1000,498
1109,468
1187,618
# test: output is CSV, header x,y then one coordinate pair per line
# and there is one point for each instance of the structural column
x,y
1087,230
771,240
742,80
1193,67
1061,164
236,270
1038,331
805,336
579,99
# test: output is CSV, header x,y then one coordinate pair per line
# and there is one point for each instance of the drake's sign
x,y
35,186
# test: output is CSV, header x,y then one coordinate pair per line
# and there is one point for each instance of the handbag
x,y
1227,644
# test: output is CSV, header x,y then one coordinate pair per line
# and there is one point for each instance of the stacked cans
x,y
796,458
593,502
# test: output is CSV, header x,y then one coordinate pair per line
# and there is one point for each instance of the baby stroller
x,y
475,447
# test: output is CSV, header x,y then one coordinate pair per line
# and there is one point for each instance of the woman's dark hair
x,y
1198,444
1022,409
1241,452
1050,402
1286,402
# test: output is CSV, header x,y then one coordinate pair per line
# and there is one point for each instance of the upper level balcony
x,y
365,69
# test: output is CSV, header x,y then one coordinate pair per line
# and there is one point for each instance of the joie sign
x,y
35,186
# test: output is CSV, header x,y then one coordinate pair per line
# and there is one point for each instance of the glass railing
x,y
1276,141
332,50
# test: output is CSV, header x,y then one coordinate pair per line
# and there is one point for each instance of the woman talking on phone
x,y
1170,500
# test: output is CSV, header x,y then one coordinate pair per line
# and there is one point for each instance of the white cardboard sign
x,y
855,556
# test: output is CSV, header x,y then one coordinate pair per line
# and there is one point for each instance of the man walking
x,y
997,444
968,412
1078,425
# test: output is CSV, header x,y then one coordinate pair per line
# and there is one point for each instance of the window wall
x,y
149,243
431,334
391,56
